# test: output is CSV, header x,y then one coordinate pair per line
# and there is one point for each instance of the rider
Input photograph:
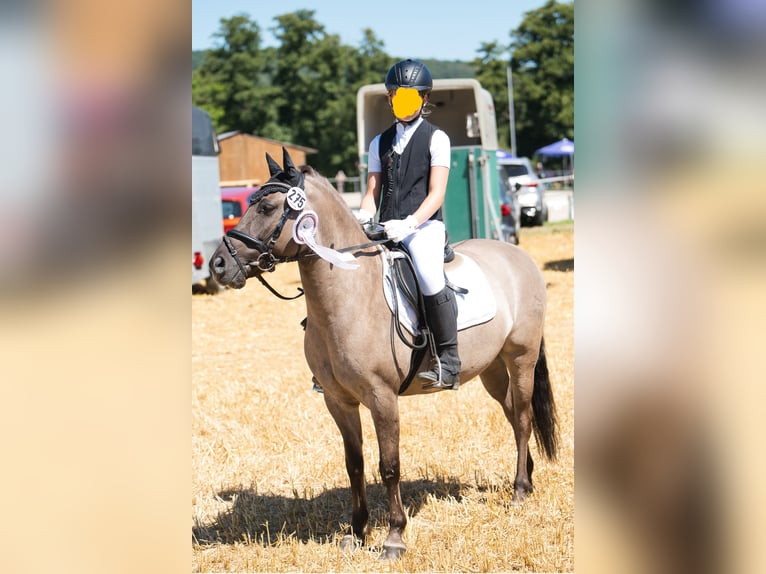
x,y
409,163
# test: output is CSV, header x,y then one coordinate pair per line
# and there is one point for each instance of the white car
x,y
530,191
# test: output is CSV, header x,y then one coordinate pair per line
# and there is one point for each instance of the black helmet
x,y
409,74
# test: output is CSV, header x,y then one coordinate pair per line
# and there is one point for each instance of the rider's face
x,y
406,103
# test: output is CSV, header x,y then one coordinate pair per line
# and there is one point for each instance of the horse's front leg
x,y
346,415
385,415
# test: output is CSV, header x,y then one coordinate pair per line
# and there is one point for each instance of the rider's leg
x,y
441,311
426,247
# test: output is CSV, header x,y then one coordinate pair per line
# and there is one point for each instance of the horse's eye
x,y
266,208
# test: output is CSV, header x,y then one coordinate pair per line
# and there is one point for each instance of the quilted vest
x,y
405,177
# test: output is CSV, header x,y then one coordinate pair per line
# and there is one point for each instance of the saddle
x,y
403,271
405,298
406,282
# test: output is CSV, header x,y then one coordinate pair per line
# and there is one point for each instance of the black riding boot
x,y
441,314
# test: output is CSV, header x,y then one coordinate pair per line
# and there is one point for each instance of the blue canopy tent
x,y
560,148
563,148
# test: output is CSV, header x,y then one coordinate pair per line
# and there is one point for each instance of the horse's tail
x,y
544,422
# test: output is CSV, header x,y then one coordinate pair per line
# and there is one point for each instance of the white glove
x,y
364,217
399,229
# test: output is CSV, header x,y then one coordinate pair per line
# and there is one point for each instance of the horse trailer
x,y
466,112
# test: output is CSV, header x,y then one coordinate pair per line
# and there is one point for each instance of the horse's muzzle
x,y
225,270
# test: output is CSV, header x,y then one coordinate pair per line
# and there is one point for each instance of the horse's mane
x,y
321,183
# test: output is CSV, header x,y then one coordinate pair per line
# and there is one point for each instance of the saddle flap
x,y
476,301
406,281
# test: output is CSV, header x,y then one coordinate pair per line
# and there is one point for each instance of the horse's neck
x,y
329,288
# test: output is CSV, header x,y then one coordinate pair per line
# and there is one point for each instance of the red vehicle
x,y
235,201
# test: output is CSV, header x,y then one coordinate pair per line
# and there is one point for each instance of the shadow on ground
x,y
266,518
560,265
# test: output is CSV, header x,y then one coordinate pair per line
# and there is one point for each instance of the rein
x,y
254,242
267,261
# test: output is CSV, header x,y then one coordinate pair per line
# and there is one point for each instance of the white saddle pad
x,y
473,308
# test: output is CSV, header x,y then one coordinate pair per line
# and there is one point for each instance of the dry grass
x,y
269,486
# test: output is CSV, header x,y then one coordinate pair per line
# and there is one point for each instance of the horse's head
x,y
264,235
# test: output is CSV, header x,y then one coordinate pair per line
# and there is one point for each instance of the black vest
x,y
405,177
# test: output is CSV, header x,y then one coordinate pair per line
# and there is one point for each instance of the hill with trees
x,y
439,68
303,90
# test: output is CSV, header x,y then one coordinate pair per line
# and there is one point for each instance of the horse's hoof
x,y
349,543
519,495
393,552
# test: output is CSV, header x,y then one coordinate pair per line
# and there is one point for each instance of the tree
x,y
233,81
320,77
372,60
542,49
311,73
491,72
303,91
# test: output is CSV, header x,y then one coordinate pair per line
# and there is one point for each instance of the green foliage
x,y
197,57
491,71
303,91
232,83
543,76
441,69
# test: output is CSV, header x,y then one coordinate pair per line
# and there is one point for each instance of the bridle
x,y
267,261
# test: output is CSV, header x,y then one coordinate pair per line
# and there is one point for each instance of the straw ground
x,y
269,486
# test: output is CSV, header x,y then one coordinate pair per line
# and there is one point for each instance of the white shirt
x,y
440,146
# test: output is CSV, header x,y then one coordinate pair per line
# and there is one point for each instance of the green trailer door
x,y
472,183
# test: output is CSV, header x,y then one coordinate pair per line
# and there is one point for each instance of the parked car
x,y
234,201
520,175
510,212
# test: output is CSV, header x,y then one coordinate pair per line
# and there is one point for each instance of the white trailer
x,y
207,212
465,111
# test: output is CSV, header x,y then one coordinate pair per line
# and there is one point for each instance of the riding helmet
x,y
409,74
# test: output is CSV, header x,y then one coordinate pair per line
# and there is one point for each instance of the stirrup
x,y
317,387
434,381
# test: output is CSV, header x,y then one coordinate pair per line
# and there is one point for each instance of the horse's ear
x,y
287,161
274,168
294,175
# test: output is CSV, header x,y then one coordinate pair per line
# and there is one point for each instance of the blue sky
x,y
446,30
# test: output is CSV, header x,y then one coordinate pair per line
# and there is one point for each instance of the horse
x,y
348,341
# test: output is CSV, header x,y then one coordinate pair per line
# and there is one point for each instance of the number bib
x,y
296,198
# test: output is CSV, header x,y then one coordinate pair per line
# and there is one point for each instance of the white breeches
x,y
426,247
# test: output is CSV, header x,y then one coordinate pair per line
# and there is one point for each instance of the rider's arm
x,y
371,198
437,179
437,190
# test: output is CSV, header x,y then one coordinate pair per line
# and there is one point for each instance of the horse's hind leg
x,y
506,388
522,384
346,415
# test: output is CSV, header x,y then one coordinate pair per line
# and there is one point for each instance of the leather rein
x,y
267,261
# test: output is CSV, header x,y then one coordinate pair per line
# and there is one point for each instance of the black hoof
x,y
393,552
